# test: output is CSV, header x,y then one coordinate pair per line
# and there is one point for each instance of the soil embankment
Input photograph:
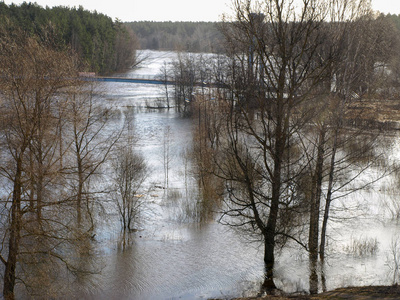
x,y
355,293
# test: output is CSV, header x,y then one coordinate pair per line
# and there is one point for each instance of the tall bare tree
x,y
275,50
32,74
53,139
91,139
356,77
281,69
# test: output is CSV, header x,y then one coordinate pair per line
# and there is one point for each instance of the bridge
x,y
146,79
141,79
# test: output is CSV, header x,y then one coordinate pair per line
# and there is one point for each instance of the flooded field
x,y
173,257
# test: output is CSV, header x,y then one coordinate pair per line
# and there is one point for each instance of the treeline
x,y
102,45
184,36
395,19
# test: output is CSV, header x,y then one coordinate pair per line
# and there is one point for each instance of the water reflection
x,y
187,262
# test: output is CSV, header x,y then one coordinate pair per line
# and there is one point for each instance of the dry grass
x,y
379,110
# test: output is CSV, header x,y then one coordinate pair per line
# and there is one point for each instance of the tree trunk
x,y
269,261
326,213
39,195
15,228
315,213
79,195
31,184
270,229
328,200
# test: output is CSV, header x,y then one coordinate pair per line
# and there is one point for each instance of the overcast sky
x,y
172,10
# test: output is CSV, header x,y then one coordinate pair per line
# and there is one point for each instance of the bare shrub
x,y
130,173
393,259
362,247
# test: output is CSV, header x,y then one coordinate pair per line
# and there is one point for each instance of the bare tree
x,y
354,78
281,73
32,74
130,174
275,76
165,76
207,129
91,139
167,157
51,138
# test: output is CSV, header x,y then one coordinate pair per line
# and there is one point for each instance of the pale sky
x,y
172,10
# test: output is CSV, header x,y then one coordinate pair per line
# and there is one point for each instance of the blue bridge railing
x,y
145,79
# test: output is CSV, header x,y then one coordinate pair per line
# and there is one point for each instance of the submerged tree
x,y
191,75
32,74
129,173
356,78
280,75
91,139
41,136
275,52
207,116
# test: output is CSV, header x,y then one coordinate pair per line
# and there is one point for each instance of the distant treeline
x,y
102,44
190,36
393,18
185,36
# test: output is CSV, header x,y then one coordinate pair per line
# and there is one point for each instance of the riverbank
x,y
355,293
378,114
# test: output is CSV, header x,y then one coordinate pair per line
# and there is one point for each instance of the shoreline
x,y
360,293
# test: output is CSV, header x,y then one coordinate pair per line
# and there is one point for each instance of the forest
x,y
183,36
103,45
203,37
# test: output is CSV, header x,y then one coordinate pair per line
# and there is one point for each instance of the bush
x,y
363,246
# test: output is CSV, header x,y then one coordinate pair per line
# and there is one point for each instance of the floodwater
x,y
172,257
